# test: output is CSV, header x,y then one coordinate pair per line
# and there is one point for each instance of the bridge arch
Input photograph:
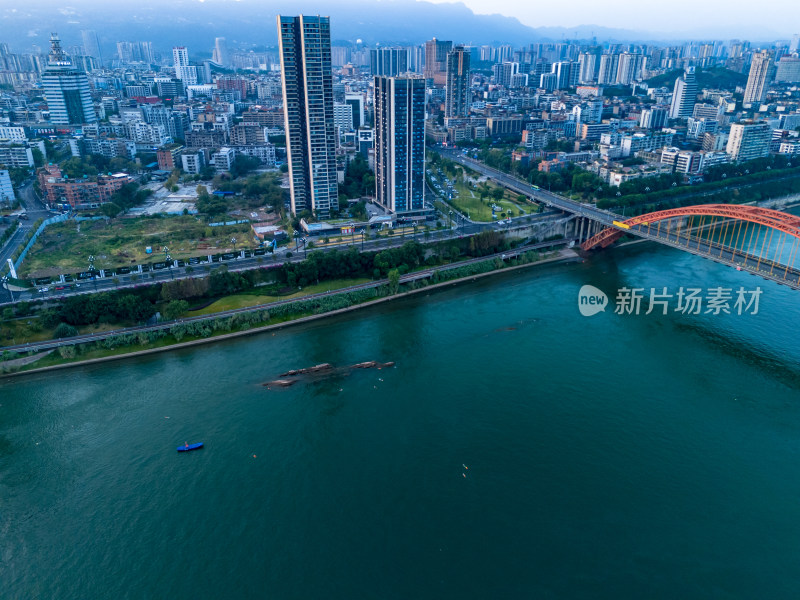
x,y
774,219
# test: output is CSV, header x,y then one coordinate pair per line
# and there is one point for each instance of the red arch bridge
x,y
762,241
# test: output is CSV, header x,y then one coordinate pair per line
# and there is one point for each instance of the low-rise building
x,y
193,161
6,189
58,190
169,157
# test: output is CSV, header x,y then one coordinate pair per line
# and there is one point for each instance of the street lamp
x,y
233,241
363,232
296,240
451,219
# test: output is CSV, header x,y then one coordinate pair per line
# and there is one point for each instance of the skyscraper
x,y
400,143
794,45
436,60
91,46
588,68
66,89
458,92
684,95
305,49
762,72
609,65
388,61
183,70
220,54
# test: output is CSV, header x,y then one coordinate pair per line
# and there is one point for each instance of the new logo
x,y
591,300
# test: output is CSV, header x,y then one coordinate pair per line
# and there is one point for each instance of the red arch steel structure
x,y
780,221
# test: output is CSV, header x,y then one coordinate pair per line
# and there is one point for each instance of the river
x,y
517,450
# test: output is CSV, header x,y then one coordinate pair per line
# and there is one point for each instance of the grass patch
x,y
246,300
66,247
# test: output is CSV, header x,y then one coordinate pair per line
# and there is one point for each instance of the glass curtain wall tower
x,y
305,49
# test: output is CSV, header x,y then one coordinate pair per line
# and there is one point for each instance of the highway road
x,y
240,264
416,275
523,187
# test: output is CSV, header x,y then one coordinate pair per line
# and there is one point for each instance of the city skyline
x,y
395,21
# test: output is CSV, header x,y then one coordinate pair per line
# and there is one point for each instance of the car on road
x,y
44,290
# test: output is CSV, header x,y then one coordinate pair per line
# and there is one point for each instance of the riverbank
x,y
562,256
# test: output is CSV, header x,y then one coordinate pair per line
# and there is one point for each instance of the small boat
x,y
189,447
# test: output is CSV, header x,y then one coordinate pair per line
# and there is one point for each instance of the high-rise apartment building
x,y
183,70
436,60
458,92
654,117
762,72
307,85
566,74
400,143
220,54
503,72
684,95
136,52
788,70
607,74
749,140
629,68
794,45
356,103
588,68
388,61
91,45
66,89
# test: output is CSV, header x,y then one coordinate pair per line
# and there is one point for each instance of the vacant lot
x,y
66,247
469,201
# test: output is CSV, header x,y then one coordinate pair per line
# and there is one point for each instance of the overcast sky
x,y
691,16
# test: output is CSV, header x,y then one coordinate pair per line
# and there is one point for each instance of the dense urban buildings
x,y
305,52
400,143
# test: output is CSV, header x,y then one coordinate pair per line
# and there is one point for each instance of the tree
x,y
38,157
175,309
110,209
64,331
394,281
243,164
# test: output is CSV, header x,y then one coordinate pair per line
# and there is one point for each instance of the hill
x,y
714,78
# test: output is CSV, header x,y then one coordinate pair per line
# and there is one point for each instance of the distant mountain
x,y
251,23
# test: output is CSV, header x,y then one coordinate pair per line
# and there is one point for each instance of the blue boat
x,y
188,447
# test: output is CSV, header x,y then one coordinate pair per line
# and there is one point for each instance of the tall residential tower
x,y
436,60
684,95
305,49
762,72
400,143
458,93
